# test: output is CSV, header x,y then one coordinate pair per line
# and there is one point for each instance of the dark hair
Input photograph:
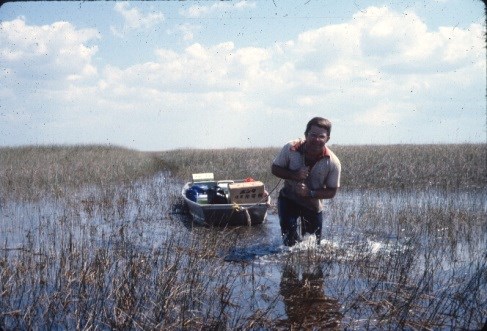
x,y
319,122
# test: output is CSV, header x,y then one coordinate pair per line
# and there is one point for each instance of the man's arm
x,y
302,190
324,193
284,173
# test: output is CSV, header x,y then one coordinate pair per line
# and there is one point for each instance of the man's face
x,y
316,138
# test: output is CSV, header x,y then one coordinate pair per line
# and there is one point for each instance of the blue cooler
x,y
195,190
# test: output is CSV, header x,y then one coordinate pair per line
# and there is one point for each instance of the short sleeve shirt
x,y
325,173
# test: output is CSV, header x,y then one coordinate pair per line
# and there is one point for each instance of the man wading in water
x,y
312,173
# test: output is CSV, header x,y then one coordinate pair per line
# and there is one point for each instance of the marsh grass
x,y
446,167
227,163
86,262
177,285
419,259
90,240
32,172
462,166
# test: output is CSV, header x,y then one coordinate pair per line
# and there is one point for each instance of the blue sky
x,y
160,75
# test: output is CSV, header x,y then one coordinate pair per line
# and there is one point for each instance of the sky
x,y
163,75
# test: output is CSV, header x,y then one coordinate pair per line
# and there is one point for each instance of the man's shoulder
x,y
289,151
294,145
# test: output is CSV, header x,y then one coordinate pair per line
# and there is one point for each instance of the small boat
x,y
226,202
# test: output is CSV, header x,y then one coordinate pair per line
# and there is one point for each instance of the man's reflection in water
x,y
306,305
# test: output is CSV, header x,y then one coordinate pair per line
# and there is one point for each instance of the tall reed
x,y
32,172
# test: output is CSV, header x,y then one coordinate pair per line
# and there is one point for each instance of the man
x,y
312,173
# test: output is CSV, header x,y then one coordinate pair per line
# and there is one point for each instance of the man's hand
x,y
302,190
302,174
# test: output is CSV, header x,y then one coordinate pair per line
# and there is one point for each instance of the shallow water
x,y
427,247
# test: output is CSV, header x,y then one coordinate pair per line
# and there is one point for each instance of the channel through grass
x,y
91,237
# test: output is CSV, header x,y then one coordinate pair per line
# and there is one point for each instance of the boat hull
x,y
227,214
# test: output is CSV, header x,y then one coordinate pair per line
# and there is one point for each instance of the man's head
x,y
319,122
317,134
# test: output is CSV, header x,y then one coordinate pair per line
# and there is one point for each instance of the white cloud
x,y
403,42
380,68
134,19
225,7
321,68
384,114
186,30
49,52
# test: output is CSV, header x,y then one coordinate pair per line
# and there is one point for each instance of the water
x,y
378,249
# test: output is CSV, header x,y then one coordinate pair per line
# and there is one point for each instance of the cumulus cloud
x,y
186,30
378,57
223,7
134,19
391,42
54,52
383,114
380,68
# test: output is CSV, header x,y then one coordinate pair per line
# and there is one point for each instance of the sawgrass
x,y
90,240
33,172
456,166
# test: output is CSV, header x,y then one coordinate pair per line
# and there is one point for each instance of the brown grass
x,y
33,172
90,241
460,166
36,171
